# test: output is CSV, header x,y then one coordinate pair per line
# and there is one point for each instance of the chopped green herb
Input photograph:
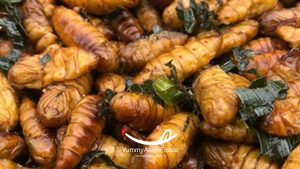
x,y
259,98
196,16
277,148
169,91
258,101
45,59
104,103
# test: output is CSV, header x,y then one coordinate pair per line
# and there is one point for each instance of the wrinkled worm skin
x,y
198,51
218,155
100,6
110,81
126,25
138,53
8,164
61,64
84,129
11,145
115,150
185,125
214,92
139,110
40,141
8,105
75,31
58,100
37,26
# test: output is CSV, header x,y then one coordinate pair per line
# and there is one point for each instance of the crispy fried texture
x,y
39,140
171,18
237,131
37,25
102,27
239,10
58,100
148,16
75,31
240,81
185,125
199,51
214,92
11,145
7,164
139,110
289,34
265,45
63,64
84,129
115,150
48,6
283,120
110,81
126,25
100,6
293,160
231,156
136,54
264,62
272,20
8,105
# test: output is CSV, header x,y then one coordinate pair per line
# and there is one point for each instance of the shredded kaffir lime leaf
x,y
258,100
196,16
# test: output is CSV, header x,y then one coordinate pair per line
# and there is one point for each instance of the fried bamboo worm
x,y
293,160
214,92
184,126
117,152
58,100
11,145
8,105
237,131
264,62
231,156
110,81
283,120
84,129
40,142
289,34
171,18
265,45
239,10
75,31
148,16
56,64
139,110
37,25
274,19
101,6
198,51
126,25
102,27
48,6
136,54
